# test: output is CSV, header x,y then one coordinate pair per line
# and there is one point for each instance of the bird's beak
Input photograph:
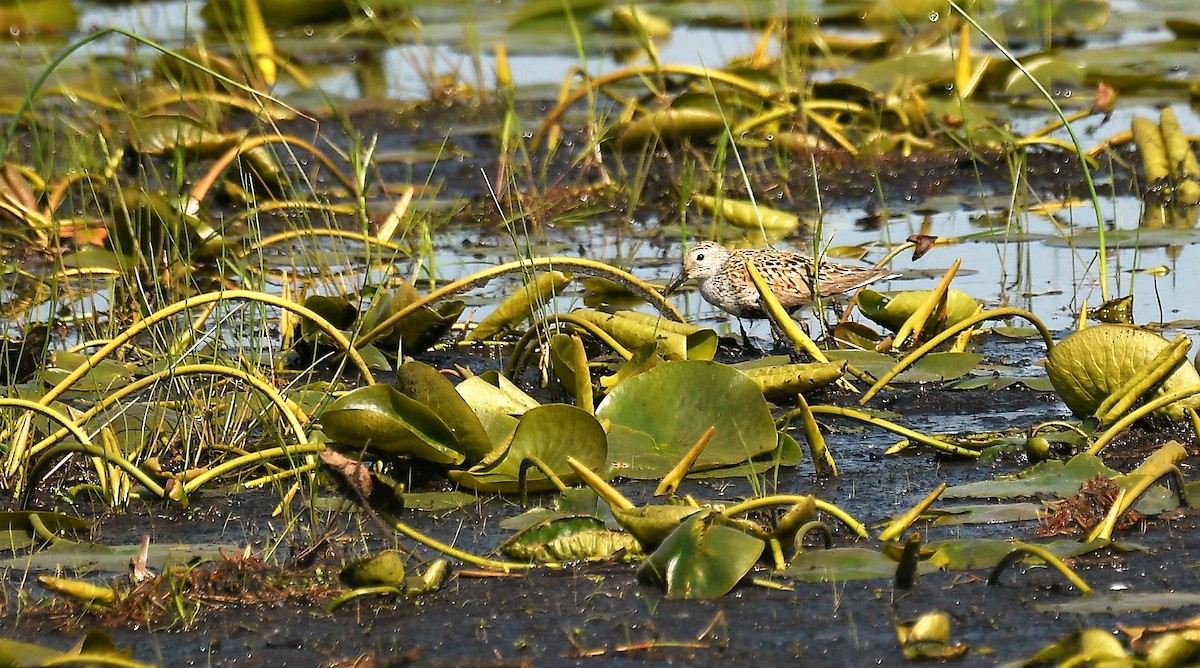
x,y
675,283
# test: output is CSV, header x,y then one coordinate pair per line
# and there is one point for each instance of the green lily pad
x,y
549,433
702,558
381,418
426,385
933,367
1091,364
892,309
841,564
566,538
990,514
969,553
438,502
497,402
659,414
385,569
1124,602
652,524
1048,478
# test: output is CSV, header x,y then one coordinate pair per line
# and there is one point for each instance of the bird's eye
x,y
700,257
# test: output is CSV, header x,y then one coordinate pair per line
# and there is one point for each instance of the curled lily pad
x,y
416,331
892,310
381,418
652,524
675,123
426,385
497,402
787,380
384,569
520,304
749,215
548,434
703,558
672,340
1093,364
929,638
657,415
568,538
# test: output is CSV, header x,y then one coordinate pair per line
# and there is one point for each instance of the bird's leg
x,y
745,335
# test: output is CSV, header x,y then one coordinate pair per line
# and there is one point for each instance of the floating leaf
x,y
657,415
672,340
841,564
1048,478
550,434
703,558
520,304
748,215
565,538
928,638
788,380
426,385
652,524
497,402
673,124
381,418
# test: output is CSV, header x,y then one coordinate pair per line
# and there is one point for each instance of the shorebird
x,y
725,282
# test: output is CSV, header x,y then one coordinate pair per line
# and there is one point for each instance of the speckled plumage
x,y
725,282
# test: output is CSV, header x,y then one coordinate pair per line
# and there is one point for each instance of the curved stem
x,y
642,72
205,183
101,453
932,442
249,459
19,453
451,551
792,499
199,300
1045,555
1137,414
573,264
951,332
292,235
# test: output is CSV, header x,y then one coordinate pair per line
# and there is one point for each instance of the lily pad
x,y
381,418
550,434
841,564
567,538
658,415
1048,478
702,559
892,309
1090,365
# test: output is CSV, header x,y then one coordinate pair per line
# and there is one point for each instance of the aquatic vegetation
x,y
211,288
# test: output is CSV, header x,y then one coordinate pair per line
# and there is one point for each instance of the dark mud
x,y
588,613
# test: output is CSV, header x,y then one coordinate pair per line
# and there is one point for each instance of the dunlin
x,y
725,282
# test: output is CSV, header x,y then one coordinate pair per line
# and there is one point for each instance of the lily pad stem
x,y
792,499
1022,549
951,332
1139,413
573,264
936,443
451,551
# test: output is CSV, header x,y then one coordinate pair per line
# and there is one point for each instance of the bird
x,y
725,282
